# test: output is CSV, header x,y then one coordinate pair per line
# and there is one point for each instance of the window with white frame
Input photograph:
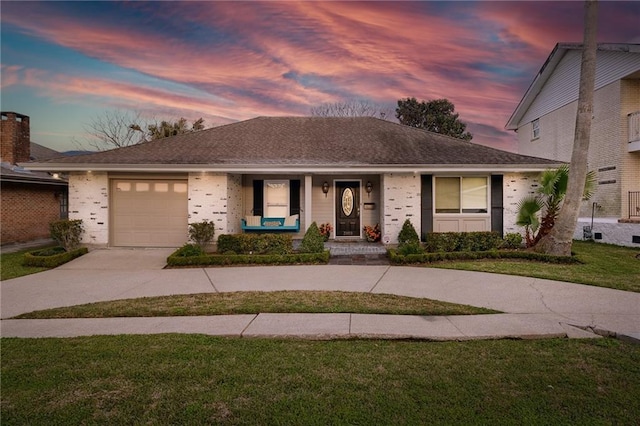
x,y
461,195
535,129
276,198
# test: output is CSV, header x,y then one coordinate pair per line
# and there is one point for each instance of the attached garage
x,y
149,213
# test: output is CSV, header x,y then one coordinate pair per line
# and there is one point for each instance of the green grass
x,y
253,302
198,380
11,265
602,265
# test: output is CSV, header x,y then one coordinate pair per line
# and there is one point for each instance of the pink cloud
x,y
282,58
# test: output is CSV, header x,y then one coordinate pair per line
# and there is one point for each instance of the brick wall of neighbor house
x,y
27,210
606,152
15,138
89,201
516,186
630,174
401,202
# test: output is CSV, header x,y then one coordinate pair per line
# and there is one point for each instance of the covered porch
x,y
347,202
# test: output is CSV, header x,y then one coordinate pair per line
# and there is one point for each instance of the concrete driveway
x,y
111,274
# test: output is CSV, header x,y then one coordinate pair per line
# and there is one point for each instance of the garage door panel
x,y
147,213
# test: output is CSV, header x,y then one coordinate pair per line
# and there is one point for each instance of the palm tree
x,y
559,240
528,211
552,191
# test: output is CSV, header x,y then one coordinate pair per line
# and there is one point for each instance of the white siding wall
x,y
89,201
401,202
562,86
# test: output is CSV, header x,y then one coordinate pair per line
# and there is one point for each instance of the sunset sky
x,y
64,63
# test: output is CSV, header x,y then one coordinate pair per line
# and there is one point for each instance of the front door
x,y
348,209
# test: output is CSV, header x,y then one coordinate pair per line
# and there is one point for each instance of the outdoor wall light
x,y
325,188
368,187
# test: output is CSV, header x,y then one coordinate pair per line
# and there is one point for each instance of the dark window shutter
x,y
426,205
497,209
294,197
258,197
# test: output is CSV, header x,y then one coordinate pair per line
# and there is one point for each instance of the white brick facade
x,y
516,186
401,201
89,201
209,196
234,203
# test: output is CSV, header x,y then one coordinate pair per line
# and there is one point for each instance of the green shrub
x,y
250,259
67,233
313,241
462,241
398,258
202,232
189,250
512,241
52,251
410,248
408,234
44,259
255,243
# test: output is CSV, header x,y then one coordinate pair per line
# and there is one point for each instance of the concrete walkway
x,y
534,308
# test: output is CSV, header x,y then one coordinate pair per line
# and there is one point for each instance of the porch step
x,y
359,259
349,248
340,248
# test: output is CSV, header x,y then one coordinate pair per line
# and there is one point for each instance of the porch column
x,y
308,187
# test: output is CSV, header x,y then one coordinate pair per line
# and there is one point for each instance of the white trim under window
x,y
535,129
461,195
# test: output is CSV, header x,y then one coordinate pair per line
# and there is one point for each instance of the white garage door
x,y
149,213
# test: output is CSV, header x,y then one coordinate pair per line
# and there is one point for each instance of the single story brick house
x,y
348,172
29,200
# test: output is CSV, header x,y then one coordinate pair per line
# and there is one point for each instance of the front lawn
x,y
201,380
601,265
11,265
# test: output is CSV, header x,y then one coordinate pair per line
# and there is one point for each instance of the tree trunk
x,y
558,241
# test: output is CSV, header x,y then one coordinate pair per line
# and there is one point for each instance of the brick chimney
x,y
15,138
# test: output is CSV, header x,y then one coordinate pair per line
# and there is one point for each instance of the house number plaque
x,y
347,201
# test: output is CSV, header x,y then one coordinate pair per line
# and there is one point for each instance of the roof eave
x,y
540,79
298,168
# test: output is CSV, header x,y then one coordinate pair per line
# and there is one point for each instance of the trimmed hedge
x,y
462,241
45,259
249,259
255,243
399,259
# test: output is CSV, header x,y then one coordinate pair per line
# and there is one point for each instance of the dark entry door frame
x,y
347,208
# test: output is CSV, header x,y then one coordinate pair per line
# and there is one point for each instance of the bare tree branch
x,y
359,108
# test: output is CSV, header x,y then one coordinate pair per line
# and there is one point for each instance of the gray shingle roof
x,y
17,174
307,141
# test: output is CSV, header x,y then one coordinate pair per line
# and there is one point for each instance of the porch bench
x,y
271,224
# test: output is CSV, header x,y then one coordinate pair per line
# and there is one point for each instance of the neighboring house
x,y
545,123
29,200
349,172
